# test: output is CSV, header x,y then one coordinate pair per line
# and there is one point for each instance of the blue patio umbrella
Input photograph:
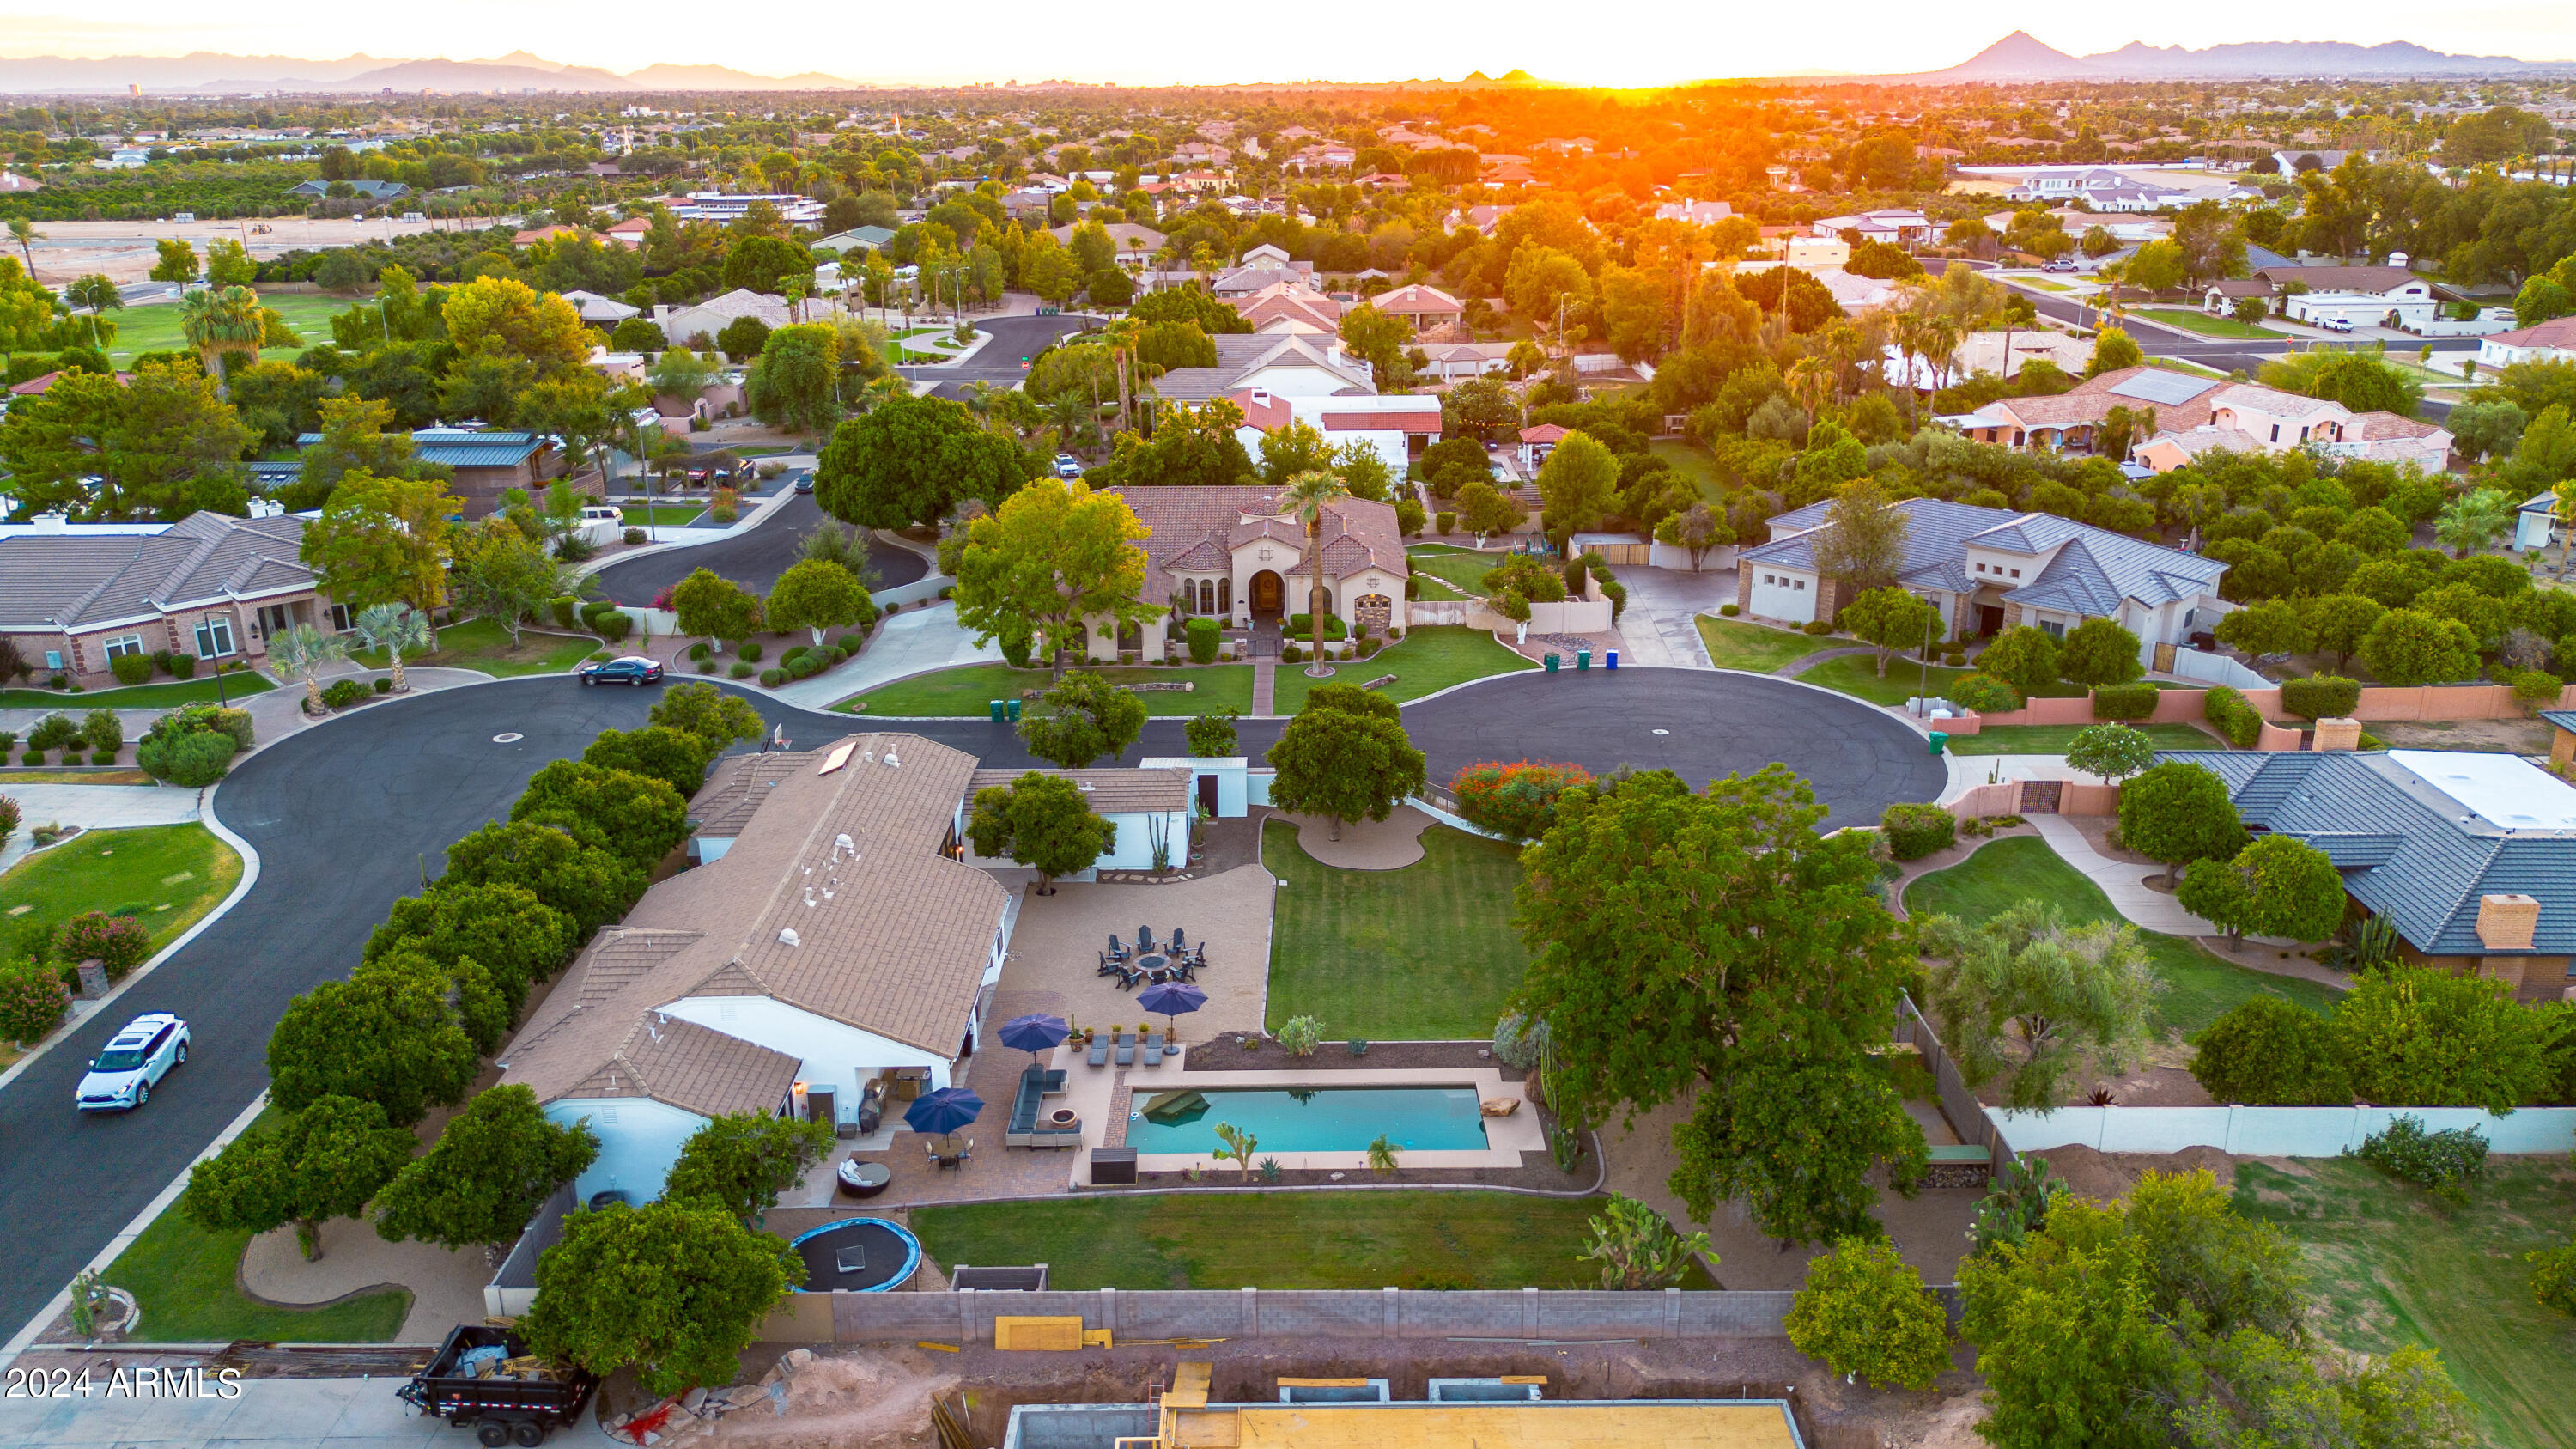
x,y
936,1114
1171,998
1034,1034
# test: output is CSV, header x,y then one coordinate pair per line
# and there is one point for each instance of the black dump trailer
x,y
485,1377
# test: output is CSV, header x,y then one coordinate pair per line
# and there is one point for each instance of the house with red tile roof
x,y
2550,341
1427,307
1231,553
1399,428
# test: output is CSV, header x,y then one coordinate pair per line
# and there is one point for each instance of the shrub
x,y
707,666
119,943
699,650
192,761
634,536
104,731
2266,1052
32,757
773,677
130,668
749,649
1817,628
1728,610
2418,1036
343,693
385,685
1301,1035
564,607
612,627
2321,696
1289,654
53,732
2227,710
1954,658
203,719
1446,522
1915,830
183,666
2553,1278
1864,1312
1303,625
9,816
2124,701
1517,800
805,668
1518,1041
2440,1161
1408,516
742,669
2536,687
33,1001
1204,636
1984,694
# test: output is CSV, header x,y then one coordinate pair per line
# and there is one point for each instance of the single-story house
x,y
1230,553
1427,307
1997,354
1989,569
2535,522
1289,364
2550,341
1694,213
837,940
74,597
1286,307
317,189
1136,244
600,311
1899,227
1455,361
2363,296
487,461
713,315
2248,418
1150,809
2471,857
1398,428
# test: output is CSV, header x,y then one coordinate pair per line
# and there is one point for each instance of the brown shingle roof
x,y
1108,791
734,792
2342,279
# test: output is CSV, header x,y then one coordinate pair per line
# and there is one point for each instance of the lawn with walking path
x,y
482,644
1426,952
163,694
1464,568
2205,324
1280,1239
1759,648
188,1283
2199,987
2057,739
2394,1265
167,876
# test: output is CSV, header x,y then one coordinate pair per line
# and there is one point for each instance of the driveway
x,y
1013,338
1657,625
753,558
93,807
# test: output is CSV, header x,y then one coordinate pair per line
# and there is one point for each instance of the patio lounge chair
x,y
1126,1048
1117,948
1107,966
1144,939
1099,1050
1153,1049
1180,943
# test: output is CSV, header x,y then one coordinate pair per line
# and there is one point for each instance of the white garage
x,y
1778,593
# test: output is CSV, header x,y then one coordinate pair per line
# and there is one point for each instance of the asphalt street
x,y
753,558
350,815
1014,339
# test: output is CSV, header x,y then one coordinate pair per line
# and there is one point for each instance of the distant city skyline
x,y
1621,43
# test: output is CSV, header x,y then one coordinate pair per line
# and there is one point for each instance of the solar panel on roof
x,y
2167,388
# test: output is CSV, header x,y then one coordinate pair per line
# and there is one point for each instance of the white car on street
x,y
121,1077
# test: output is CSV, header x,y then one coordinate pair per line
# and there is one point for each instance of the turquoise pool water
x,y
1323,1119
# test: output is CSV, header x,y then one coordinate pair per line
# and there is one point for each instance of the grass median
x,y
482,644
166,694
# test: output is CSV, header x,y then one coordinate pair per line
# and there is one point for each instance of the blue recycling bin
x,y
1940,741
1611,662
1551,664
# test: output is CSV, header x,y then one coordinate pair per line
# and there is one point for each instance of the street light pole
x,y
217,664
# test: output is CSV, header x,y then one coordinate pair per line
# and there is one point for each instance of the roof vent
x,y
891,762
788,937
1085,787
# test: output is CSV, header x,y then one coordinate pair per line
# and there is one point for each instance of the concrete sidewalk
x,y
94,807
911,642
264,1414
2147,909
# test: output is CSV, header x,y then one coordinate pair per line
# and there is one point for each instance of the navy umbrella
x,y
1034,1034
1171,998
936,1114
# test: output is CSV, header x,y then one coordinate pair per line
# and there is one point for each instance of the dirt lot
x,y
2515,736
124,249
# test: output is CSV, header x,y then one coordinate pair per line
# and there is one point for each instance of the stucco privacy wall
x,y
2272,1131
1282,1313
2185,706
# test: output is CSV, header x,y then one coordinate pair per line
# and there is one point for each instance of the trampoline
x,y
857,1255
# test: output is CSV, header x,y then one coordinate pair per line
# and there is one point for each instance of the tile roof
x,y
2374,280
893,940
77,579
1417,300
2378,427
1110,791
2092,571
1241,355
2556,332
464,447
1204,525
689,1066
2412,852
2091,400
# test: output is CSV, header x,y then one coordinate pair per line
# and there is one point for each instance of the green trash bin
x,y
1012,711
1940,741
1582,659
994,707
1551,664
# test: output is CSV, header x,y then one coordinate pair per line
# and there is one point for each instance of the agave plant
x,y
303,652
397,629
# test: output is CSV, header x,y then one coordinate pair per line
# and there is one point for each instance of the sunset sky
x,y
1618,42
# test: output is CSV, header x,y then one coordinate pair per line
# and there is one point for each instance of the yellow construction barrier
x,y
1054,1335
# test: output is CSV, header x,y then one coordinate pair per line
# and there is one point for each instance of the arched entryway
x,y
1267,590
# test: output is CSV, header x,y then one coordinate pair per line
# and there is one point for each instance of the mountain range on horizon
x,y
2022,56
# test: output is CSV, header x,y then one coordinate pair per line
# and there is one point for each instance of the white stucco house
x,y
1989,569
2362,296
1230,553
2550,341
1398,428
1149,808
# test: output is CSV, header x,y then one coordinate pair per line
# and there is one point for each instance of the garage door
x,y
1782,596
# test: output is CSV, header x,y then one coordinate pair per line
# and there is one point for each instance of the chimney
x,y
2337,734
2507,923
1261,397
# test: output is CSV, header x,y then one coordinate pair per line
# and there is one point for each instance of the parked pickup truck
x,y
485,1377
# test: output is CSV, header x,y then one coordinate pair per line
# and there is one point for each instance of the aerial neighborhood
x,y
1827,759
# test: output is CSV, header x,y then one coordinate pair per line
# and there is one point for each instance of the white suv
x,y
120,1078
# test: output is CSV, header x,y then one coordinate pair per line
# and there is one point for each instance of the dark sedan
x,y
632,669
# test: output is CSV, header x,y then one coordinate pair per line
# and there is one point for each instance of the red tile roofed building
x,y
1537,443
1429,307
1229,553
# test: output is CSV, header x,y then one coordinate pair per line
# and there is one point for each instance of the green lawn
x,y
2054,739
2191,369
483,644
1422,953
1694,462
166,694
171,874
1857,675
155,326
2203,323
1424,661
187,1281
2200,987
1464,567
968,688
1436,589
660,515
2394,1266
1758,648
2042,283
1284,1239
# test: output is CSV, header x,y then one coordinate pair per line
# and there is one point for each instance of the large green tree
x,y
2026,996
2410,647
1893,620
912,460
2099,652
519,939
164,443
2277,886
1053,560
324,1159
675,1290
1081,719
493,1166
713,607
1864,1311
1344,764
1577,484
1715,946
718,717
2418,1036
582,881
796,383
672,754
1043,822
382,540
2179,811
816,596
634,817
742,1161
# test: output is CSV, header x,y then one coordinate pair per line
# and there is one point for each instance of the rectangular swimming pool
x,y
1316,1119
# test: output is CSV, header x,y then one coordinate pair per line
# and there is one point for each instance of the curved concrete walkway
x,y
913,641
2122,881
446,1284
1389,844
92,807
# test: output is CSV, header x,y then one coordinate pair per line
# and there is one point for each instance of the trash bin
x,y
1940,741
1582,659
995,708
1551,664
1612,662
1011,711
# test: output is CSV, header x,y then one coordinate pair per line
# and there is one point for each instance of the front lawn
x,y
1857,675
2204,324
969,688
1758,648
1424,661
171,875
188,1283
164,694
2199,987
2056,739
1464,567
2393,1266
1423,953
1283,1239
483,644
660,515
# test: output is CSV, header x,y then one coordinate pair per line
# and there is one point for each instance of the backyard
x,y
1281,1239
484,645
2054,739
154,327
168,876
164,694
1694,462
2394,1265
2199,987
1758,648
1426,952
187,1281
1465,568
2205,324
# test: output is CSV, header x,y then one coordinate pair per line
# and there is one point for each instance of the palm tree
x,y
2472,521
303,652
396,629
217,322
1307,496
1810,380
24,233
98,294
